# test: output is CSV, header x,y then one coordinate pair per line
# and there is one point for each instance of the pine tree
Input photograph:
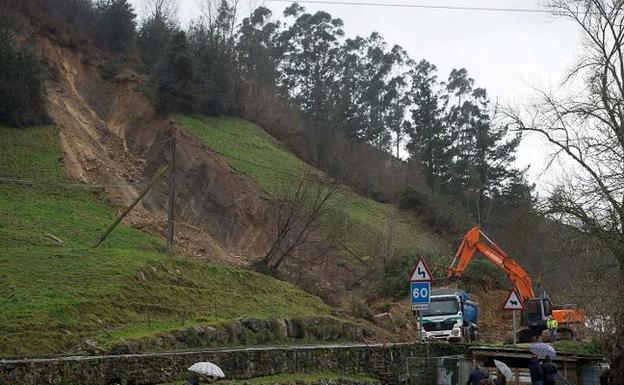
x,y
22,92
115,24
154,36
173,78
431,142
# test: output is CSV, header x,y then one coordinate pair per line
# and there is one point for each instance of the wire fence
x,y
438,370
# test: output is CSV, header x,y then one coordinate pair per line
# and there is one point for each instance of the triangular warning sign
x,y
421,272
513,302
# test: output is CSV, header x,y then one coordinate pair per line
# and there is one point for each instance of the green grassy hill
x,y
53,296
254,152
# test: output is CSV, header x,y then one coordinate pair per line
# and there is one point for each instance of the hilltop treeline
x,y
353,106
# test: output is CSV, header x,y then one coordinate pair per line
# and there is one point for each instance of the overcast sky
x,y
505,52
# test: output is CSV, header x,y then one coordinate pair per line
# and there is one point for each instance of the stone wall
x,y
247,331
139,369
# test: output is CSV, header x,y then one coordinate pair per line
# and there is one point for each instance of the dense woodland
x,y
359,97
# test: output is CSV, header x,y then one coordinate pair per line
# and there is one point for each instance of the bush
x,y
22,90
115,26
172,78
442,216
395,280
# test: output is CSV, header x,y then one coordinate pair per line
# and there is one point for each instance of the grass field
x,y
53,296
254,152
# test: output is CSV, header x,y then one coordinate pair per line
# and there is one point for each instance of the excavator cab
x,y
536,312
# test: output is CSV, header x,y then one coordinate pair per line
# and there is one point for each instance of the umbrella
x,y
504,369
207,369
541,349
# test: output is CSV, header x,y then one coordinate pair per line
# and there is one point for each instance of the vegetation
x,y
584,124
57,290
21,85
249,149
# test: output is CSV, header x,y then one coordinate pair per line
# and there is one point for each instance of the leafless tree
x,y
584,122
302,204
165,9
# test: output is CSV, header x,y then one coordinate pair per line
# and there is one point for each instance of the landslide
x,y
111,135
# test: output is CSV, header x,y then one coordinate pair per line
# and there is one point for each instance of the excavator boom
x,y
472,242
537,308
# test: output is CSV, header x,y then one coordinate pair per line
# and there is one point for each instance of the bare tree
x,y
585,125
302,204
165,9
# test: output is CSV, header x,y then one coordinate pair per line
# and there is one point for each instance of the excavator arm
x,y
473,242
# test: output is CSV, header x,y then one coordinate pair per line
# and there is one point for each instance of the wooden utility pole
x,y
155,180
171,209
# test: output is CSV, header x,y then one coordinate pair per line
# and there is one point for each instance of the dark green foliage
x,y
21,86
115,26
154,37
395,280
212,43
310,50
430,142
257,54
172,78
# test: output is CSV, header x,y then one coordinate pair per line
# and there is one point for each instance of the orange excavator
x,y
536,309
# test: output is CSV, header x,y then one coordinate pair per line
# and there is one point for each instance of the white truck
x,y
451,316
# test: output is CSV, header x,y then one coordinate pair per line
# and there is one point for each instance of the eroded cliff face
x,y
111,135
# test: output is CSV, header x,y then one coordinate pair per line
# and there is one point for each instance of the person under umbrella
x,y
550,371
476,376
193,379
535,369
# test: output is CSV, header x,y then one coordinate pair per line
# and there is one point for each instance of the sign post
x,y
420,291
513,304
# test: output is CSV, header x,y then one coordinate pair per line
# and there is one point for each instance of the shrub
x,y
22,101
395,280
172,78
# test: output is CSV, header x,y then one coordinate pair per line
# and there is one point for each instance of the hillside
x,y
249,149
107,132
55,295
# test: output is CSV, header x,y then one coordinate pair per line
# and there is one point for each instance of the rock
x,y
279,327
141,276
294,329
235,330
256,325
221,336
90,347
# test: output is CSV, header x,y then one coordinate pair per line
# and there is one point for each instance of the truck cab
x,y
451,316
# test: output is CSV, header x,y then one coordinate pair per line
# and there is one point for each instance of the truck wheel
x,y
475,335
525,335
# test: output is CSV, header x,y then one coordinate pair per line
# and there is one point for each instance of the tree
x,y
302,205
156,30
212,44
115,26
256,54
22,92
310,49
483,149
430,142
584,124
173,78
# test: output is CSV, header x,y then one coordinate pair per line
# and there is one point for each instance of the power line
x,y
420,6
203,147
339,186
32,182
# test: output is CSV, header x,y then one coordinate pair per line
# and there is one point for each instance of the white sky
x,y
504,52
